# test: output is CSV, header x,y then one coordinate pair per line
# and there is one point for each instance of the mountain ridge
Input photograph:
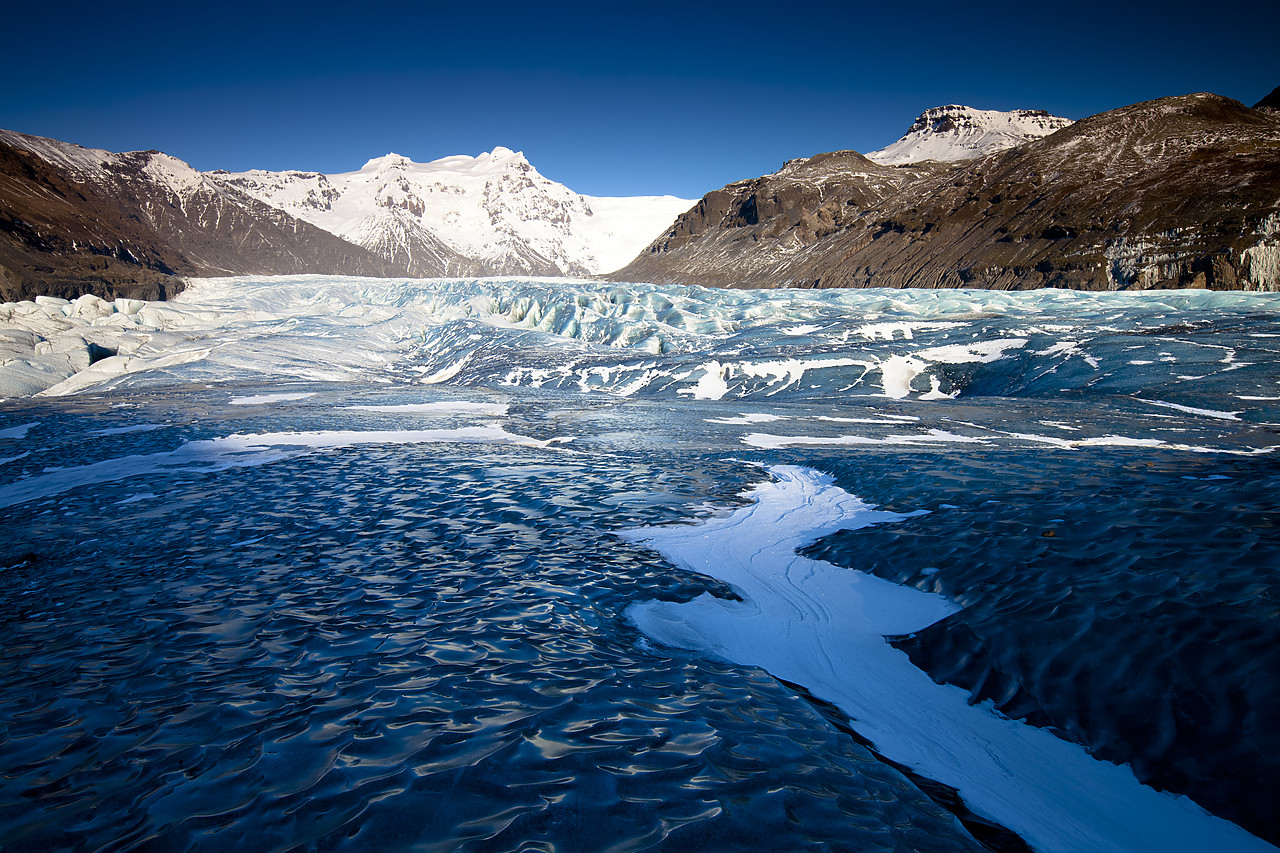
x,y
1175,192
493,214
77,220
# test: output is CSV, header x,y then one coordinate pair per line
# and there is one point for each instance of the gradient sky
x,y
622,99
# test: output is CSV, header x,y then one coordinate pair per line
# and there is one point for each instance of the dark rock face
x,y
1178,192
74,221
1271,101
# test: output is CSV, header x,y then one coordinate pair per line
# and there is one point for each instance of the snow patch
x,y
952,133
445,407
1191,410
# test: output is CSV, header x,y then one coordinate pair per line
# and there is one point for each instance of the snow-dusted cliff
x,y
490,214
951,133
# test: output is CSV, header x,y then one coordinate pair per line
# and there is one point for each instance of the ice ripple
x,y
302,669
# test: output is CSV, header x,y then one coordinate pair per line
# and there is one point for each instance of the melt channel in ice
x,y
821,626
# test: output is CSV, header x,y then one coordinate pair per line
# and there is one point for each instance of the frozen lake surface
x,y
325,563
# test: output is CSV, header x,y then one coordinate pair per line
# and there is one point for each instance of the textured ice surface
x,y
327,561
834,621
694,343
238,451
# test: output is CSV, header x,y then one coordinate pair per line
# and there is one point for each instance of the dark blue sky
x,y
622,99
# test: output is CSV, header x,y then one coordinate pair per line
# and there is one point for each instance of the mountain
x,y
751,232
953,132
76,220
488,215
1176,192
81,220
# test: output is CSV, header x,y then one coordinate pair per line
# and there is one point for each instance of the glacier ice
x,y
814,624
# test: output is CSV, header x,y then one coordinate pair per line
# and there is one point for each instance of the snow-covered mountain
x,y
951,133
76,220
484,215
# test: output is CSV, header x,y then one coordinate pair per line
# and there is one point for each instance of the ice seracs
x,y
952,133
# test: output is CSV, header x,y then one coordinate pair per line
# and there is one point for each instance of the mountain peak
x,y
390,160
957,132
488,214
503,158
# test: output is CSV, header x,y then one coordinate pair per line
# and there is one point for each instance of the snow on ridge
x,y
104,167
175,174
79,161
491,214
954,132
490,209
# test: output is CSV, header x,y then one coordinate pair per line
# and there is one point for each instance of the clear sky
x,y
608,98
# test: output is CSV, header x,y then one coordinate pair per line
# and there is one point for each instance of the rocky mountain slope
x,y
1176,192
78,220
754,231
1270,102
488,215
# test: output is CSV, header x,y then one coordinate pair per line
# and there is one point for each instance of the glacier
x,y
1056,796
483,563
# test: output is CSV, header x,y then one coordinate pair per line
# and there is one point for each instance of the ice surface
x,y
267,399
814,624
125,430
443,407
681,343
1208,413
239,451
19,431
746,418
1066,388
931,436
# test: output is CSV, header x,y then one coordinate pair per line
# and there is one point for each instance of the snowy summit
x,y
951,133
460,215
